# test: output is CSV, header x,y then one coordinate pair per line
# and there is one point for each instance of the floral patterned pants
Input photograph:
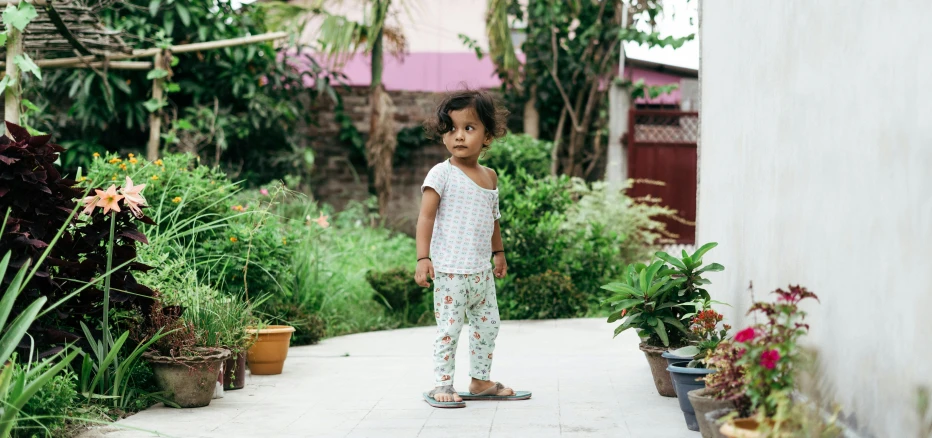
x,y
457,296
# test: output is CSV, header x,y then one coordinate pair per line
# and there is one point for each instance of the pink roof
x,y
441,72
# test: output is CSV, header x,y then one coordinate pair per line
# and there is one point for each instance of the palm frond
x,y
501,47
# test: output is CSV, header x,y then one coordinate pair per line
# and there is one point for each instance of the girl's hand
x,y
425,268
501,266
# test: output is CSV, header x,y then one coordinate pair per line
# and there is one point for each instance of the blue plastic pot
x,y
685,380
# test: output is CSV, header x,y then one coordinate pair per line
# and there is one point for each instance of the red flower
x,y
448,300
445,377
745,335
769,358
490,355
476,335
452,321
484,319
447,340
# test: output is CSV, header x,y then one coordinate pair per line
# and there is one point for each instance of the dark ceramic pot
x,y
685,380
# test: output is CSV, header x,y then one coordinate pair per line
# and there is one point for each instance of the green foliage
x,y
533,212
590,231
545,296
568,55
251,119
519,151
46,413
410,139
330,272
690,268
173,182
310,328
398,292
105,372
645,299
635,225
16,391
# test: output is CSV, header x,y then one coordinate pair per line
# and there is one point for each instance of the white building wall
x,y
816,168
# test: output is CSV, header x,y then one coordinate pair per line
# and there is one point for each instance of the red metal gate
x,y
662,159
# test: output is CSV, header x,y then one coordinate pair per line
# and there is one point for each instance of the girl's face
x,y
468,136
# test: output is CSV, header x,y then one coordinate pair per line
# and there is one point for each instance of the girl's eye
x,y
469,128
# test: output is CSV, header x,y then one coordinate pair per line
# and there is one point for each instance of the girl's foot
x,y
480,386
445,394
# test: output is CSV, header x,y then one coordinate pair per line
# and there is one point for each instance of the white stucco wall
x,y
816,168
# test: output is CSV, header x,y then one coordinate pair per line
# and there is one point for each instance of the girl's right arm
x,y
425,230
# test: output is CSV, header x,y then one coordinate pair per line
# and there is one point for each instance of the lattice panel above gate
x,y
650,127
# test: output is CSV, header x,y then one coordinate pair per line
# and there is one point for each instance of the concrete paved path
x,y
585,384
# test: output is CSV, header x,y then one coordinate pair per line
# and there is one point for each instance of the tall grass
x,y
330,268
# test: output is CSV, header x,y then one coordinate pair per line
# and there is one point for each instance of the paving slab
x,y
585,384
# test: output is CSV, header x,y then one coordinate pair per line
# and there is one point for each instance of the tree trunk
x,y
531,115
380,147
555,153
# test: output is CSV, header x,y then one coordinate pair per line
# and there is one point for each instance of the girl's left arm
x,y
498,247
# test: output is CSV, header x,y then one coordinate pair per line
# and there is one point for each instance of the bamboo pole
x,y
115,65
13,92
155,117
182,48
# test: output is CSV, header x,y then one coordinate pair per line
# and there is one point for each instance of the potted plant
x,y
270,348
184,364
645,300
225,321
767,354
724,389
688,375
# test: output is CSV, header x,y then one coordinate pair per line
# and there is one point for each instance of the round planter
x,y
189,380
685,380
712,419
671,358
703,403
234,372
267,355
658,369
741,428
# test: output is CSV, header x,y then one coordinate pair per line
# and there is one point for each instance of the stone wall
x,y
337,179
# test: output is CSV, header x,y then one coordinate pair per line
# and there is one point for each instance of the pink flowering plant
x,y
766,352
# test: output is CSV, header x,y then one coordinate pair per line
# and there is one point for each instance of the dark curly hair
x,y
492,115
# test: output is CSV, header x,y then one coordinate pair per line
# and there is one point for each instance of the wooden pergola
x,y
68,34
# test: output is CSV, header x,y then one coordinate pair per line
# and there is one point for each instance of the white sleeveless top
x,y
462,238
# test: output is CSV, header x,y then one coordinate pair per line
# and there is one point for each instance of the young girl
x,y
457,233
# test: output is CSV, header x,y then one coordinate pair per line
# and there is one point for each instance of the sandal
x,y
491,394
429,398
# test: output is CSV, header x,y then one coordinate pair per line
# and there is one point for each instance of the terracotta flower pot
x,y
234,372
189,380
712,418
267,355
703,403
741,428
658,369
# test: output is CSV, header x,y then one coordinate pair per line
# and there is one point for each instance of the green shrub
x,y
44,414
519,151
397,291
545,296
174,182
310,328
635,224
